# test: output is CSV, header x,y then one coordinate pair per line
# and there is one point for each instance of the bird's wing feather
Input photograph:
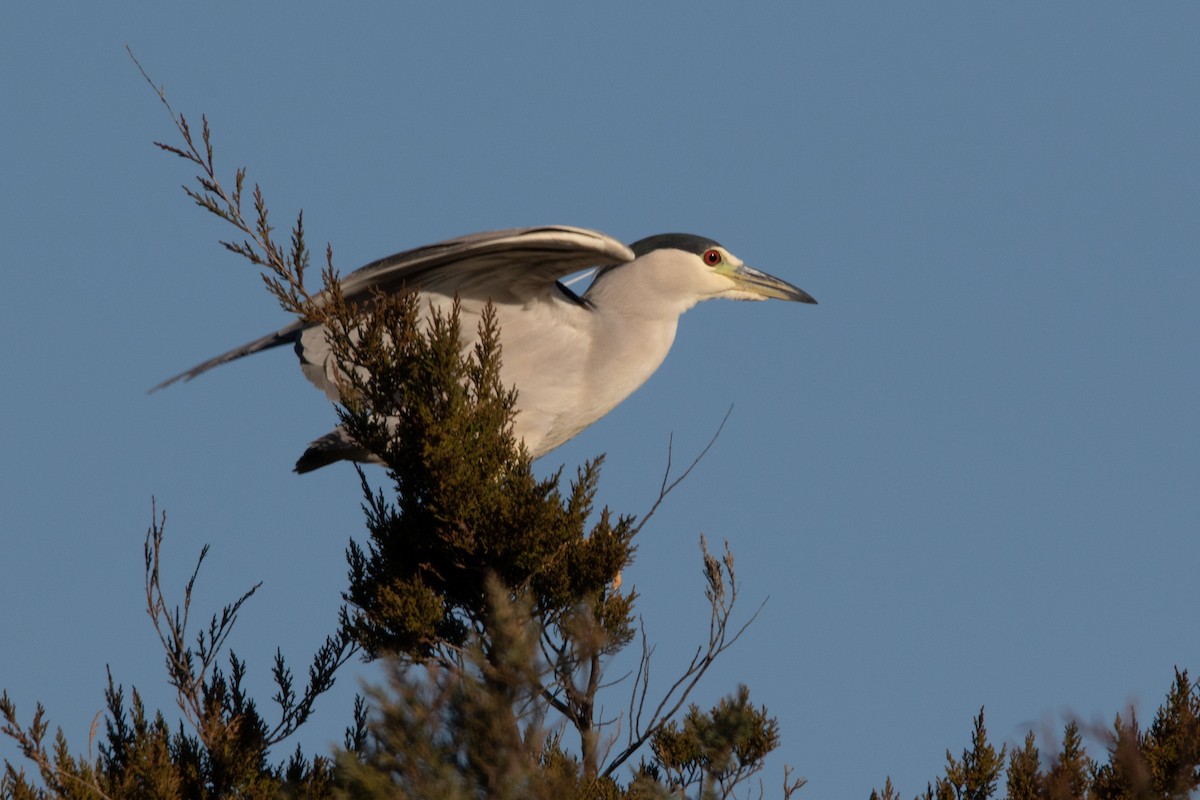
x,y
514,265
509,265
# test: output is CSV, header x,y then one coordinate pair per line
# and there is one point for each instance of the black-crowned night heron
x,y
572,358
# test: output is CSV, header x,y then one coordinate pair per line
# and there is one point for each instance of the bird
x,y
571,357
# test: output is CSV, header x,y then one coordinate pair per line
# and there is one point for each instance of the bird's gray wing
x,y
513,265
505,266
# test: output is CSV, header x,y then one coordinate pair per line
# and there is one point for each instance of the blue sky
x,y
967,478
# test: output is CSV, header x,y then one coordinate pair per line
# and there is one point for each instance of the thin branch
x,y
190,669
666,488
283,272
720,639
171,626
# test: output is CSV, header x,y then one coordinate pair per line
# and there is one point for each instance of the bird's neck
x,y
647,290
629,350
637,310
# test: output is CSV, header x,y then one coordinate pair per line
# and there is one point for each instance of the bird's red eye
x,y
712,257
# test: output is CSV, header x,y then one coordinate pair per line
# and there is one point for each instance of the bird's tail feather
x,y
334,446
287,335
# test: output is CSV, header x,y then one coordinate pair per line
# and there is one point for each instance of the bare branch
x,y
721,592
667,488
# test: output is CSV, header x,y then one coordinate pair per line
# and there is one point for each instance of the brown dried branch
x,y
282,270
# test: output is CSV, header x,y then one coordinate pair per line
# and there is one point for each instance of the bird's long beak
x,y
752,281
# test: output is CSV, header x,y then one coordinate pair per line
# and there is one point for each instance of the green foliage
x,y
224,749
1162,763
468,730
717,749
143,758
1069,772
1024,776
467,505
1172,744
478,729
974,776
889,791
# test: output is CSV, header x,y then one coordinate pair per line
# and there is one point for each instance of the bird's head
x,y
698,268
